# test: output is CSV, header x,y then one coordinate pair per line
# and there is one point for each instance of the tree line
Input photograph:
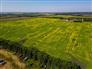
x,y
46,61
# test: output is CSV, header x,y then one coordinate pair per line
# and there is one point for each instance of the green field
x,y
60,39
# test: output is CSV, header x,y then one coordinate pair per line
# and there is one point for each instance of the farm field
x,y
70,41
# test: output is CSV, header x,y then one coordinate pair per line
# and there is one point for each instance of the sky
x,y
45,5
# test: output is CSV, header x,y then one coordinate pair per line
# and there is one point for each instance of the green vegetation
x,y
69,41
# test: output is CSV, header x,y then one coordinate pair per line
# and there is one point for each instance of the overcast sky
x,y
45,5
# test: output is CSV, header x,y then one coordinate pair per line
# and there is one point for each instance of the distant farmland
x,y
68,41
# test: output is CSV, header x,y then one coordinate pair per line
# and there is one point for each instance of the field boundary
x,y
46,61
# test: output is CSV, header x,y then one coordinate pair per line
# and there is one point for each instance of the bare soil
x,y
12,61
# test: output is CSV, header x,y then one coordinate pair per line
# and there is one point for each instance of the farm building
x,y
78,19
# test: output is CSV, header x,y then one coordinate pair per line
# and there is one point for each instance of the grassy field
x,y
60,39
